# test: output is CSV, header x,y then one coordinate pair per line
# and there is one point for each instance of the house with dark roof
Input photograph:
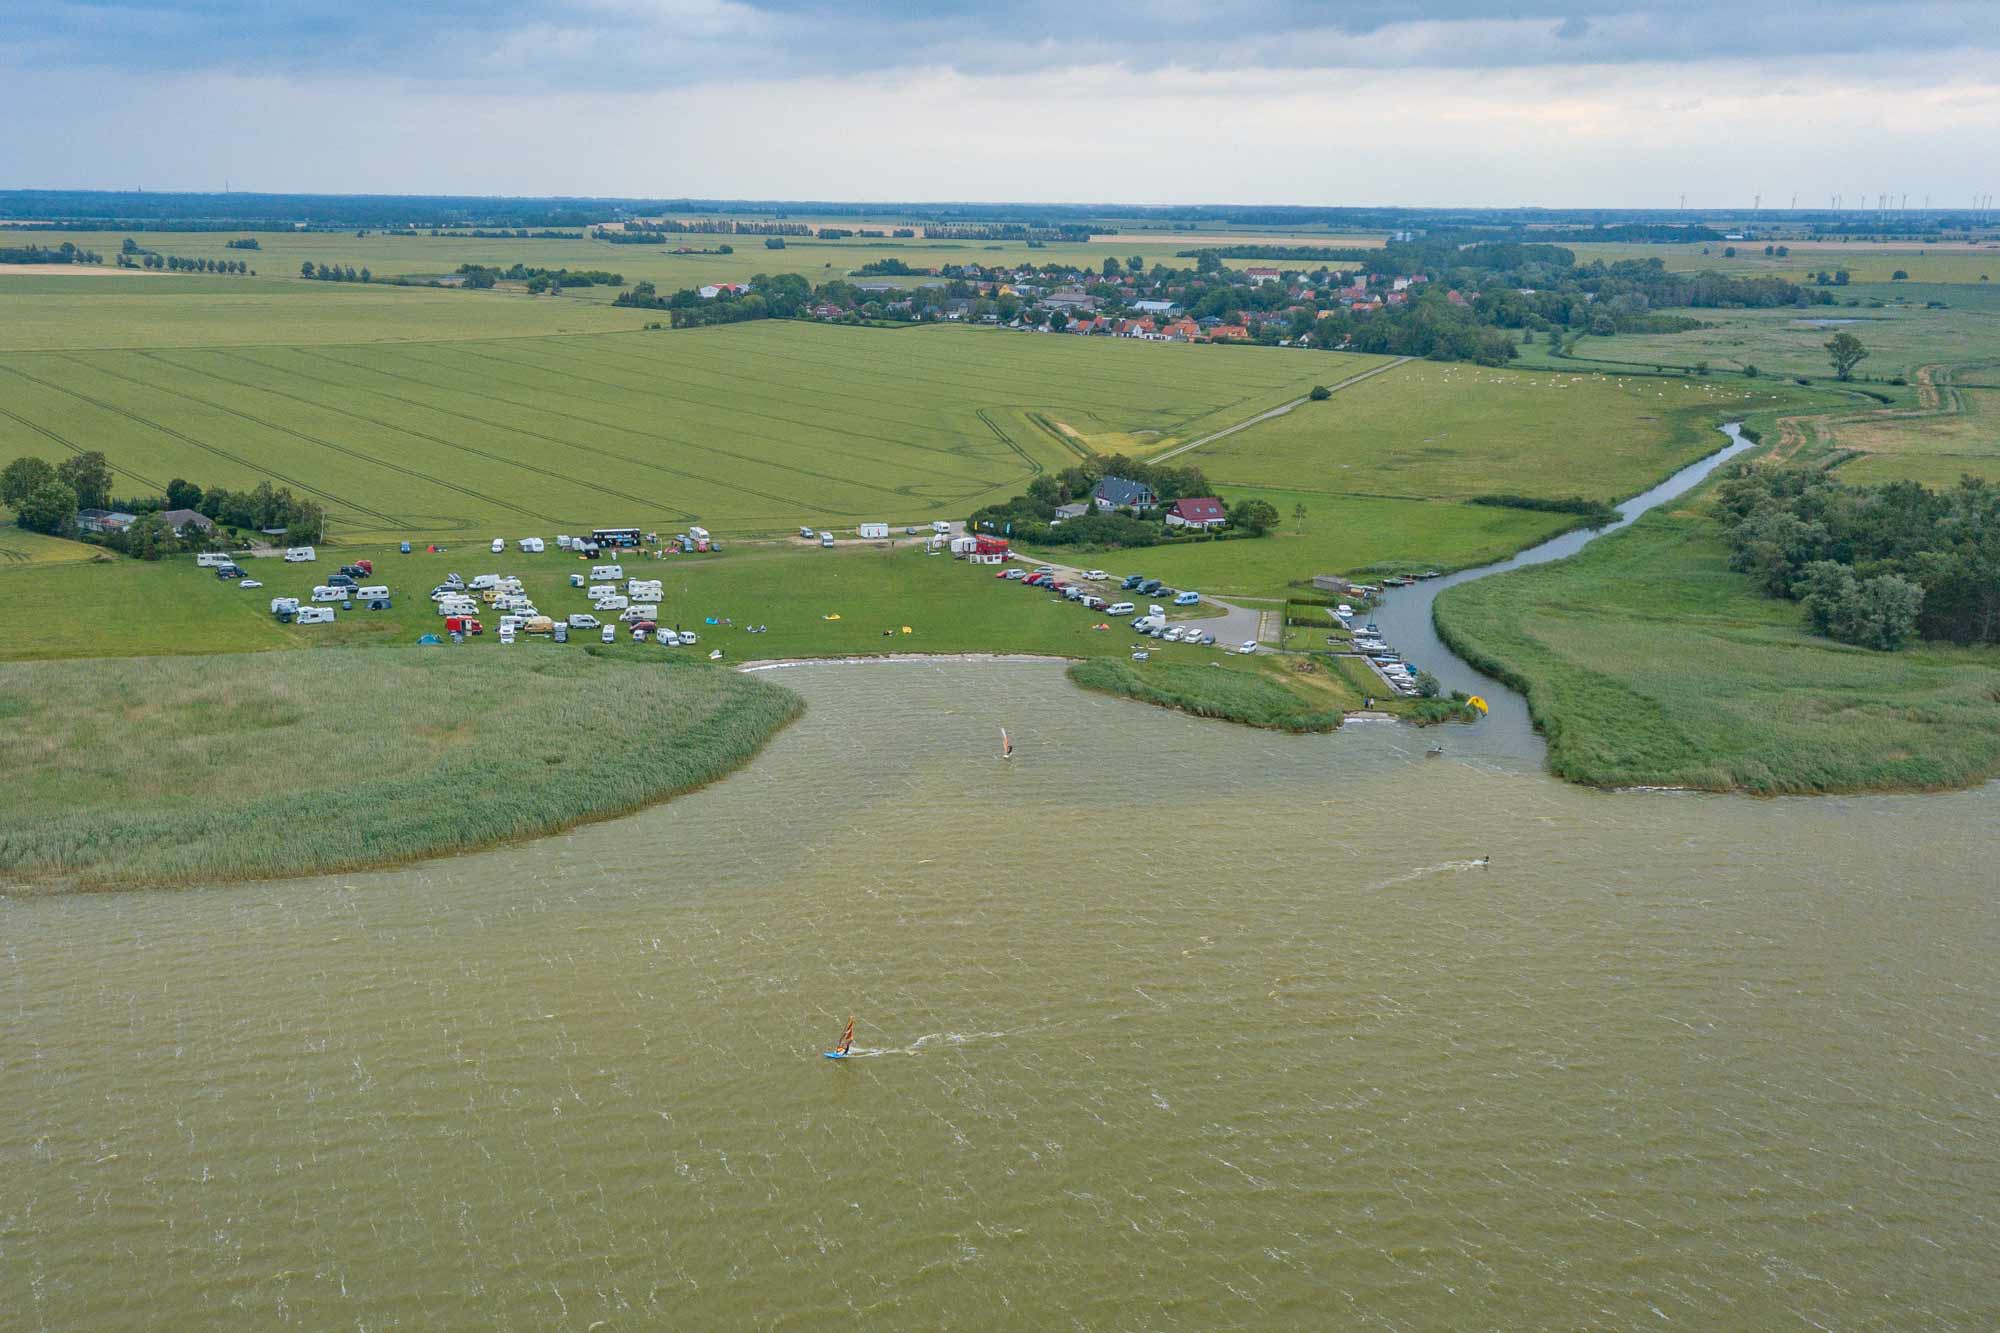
x,y
1118,493
180,520
1066,512
1202,512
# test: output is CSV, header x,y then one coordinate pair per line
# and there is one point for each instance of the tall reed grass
x,y
174,771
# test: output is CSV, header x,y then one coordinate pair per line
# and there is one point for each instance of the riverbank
x,y
142,772
1646,662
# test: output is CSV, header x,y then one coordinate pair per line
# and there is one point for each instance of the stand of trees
x,y
334,273
540,279
1029,516
66,253
1871,565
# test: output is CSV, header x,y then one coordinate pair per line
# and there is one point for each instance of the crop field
x,y
282,253
1646,661
72,312
20,547
751,428
1429,431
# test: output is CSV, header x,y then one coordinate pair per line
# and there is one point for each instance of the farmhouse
x,y
1202,513
1118,493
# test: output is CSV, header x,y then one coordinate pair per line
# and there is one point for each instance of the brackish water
x,y
1165,1024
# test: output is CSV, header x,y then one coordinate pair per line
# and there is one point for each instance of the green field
x,y
1900,336
146,772
125,607
1867,262
1962,437
425,256
81,312
1647,662
751,428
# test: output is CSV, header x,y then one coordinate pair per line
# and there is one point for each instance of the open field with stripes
x,y
752,428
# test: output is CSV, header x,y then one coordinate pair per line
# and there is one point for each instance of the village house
x,y
1228,333
1066,512
180,520
1118,493
1260,276
1201,513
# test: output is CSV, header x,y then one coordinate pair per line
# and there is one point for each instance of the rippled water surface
x,y
1165,1024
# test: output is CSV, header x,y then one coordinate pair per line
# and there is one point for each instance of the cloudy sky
x,y
1623,103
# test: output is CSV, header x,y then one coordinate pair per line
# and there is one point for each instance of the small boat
x,y
1434,752
846,1042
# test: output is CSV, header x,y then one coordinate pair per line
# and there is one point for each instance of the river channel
x,y
1404,616
1166,1024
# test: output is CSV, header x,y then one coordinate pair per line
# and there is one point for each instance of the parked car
x,y
284,606
1249,646
539,625
250,583
1132,581
228,572
1208,641
341,581
584,621
1150,587
360,569
499,545
1094,575
1120,609
1043,569
1094,603
826,539
804,532
1173,634
610,634
1187,599
1014,574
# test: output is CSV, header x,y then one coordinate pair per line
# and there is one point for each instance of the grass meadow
x,y
751,428
1210,689
1647,662
161,772
1868,262
129,608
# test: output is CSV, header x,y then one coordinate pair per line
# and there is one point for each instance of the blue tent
x,y
431,640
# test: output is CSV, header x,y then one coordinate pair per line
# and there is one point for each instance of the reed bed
x,y
179,771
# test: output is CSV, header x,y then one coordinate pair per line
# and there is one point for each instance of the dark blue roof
x,y
1122,492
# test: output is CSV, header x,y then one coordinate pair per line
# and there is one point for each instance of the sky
x,y
1560,103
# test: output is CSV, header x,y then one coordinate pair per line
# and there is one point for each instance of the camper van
x,y
1187,599
214,559
826,539
612,603
532,545
639,587
499,545
282,606
331,594
301,554
315,615
481,582
604,572
639,611
805,532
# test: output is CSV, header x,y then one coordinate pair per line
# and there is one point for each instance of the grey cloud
x,y
589,45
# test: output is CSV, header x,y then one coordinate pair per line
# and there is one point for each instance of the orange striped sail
x,y
847,1037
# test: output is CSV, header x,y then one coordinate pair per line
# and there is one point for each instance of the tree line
x,y
334,273
46,497
66,253
539,280
1872,565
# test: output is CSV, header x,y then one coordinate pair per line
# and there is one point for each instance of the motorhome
x,y
301,554
314,615
604,572
284,606
331,594
214,559
481,582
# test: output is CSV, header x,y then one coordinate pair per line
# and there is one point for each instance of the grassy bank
x,y
1210,690
1645,661
155,772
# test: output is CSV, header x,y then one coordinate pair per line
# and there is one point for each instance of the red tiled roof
x,y
1205,509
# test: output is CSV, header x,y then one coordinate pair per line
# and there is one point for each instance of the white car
x,y
1095,575
581,621
250,583
1249,646
499,545
1120,609
1174,634
610,634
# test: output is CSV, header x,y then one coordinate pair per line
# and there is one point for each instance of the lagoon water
x,y
1165,1024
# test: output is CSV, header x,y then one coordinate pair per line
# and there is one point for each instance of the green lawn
x,y
1342,534
1425,430
172,607
746,428
149,772
1647,662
